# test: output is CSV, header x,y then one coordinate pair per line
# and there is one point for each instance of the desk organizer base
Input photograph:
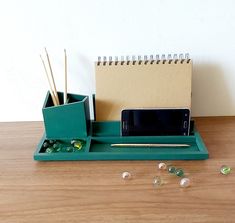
x,y
98,147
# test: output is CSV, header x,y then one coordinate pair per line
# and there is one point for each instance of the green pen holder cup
x,y
66,121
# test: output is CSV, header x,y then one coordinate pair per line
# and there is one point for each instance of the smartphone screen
x,y
155,122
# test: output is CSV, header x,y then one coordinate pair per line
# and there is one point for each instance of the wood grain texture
x,y
93,191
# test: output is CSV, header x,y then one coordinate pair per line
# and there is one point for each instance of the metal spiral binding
x,y
152,59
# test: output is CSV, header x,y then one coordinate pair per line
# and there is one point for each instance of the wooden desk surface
x,y
93,191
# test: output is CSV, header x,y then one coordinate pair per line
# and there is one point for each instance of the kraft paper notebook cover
x,y
147,83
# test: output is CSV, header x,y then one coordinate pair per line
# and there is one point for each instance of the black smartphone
x,y
155,122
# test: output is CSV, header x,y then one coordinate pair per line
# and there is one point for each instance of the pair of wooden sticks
x,y
51,80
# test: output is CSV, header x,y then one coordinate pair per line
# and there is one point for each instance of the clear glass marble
x,y
45,144
185,182
51,141
162,166
126,175
157,181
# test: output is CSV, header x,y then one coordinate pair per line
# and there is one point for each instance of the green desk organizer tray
x,y
69,120
103,134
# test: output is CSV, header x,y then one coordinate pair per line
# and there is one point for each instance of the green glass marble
x,y
171,169
58,149
56,145
69,149
179,172
49,150
77,145
225,170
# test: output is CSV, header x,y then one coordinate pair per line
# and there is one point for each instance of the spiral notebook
x,y
149,82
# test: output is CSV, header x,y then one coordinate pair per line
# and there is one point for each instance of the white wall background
x,y
203,28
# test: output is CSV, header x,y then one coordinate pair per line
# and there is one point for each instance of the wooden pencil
x,y
50,87
65,77
52,78
148,145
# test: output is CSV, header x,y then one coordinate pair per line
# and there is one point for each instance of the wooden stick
x,y
52,77
50,89
148,145
65,77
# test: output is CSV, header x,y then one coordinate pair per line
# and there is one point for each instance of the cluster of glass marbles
x,y
184,182
177,171
171,169
55,146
